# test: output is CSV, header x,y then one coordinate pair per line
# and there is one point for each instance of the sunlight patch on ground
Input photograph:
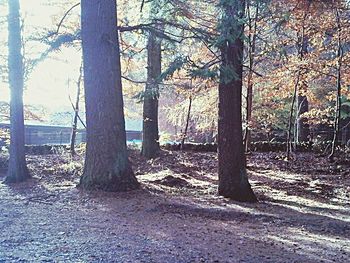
x,y
316,246
284,195
193,182
306,205
231,207
323,240
61,185
156,175
342,196
207,176
279,175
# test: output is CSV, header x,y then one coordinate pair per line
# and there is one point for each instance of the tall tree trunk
x,y
106,163
76,113
150,142
336,129
303,128
184,135
297,98
291,114
17,171
233,180
252,26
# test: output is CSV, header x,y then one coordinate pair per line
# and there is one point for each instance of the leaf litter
x,y
303,214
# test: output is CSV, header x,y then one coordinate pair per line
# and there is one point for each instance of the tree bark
x,y
106,163
17,171
233,180
150,142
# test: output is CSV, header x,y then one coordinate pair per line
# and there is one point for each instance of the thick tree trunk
x,y
150,142
17,171
76,114
106,163
233,180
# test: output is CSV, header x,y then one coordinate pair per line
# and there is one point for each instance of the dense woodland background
x,y
273,57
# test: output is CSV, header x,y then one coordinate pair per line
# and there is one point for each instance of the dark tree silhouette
x,y
233,180
106,165
150,142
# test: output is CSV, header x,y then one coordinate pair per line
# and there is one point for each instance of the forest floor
x,y
303,214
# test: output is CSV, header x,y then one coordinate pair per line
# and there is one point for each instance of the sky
x,y
53,80
48,84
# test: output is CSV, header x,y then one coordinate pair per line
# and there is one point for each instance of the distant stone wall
x,y
58,135
39,135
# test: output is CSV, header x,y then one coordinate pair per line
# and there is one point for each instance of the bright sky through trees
x,y
48,83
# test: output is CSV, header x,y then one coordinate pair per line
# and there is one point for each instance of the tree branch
x,y
63,18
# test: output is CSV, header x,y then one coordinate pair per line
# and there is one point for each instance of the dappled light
x,y
177,209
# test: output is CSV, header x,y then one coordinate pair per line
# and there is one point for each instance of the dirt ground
x,y
303,214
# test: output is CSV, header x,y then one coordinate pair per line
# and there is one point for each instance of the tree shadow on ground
x,y
277,213
315,209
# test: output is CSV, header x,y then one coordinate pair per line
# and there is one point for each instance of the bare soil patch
x,y
303,214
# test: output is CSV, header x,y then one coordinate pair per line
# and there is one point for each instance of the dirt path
x,y
173,220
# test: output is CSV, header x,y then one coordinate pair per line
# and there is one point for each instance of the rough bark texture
x,y
17,171
150,142
233,180
106,164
